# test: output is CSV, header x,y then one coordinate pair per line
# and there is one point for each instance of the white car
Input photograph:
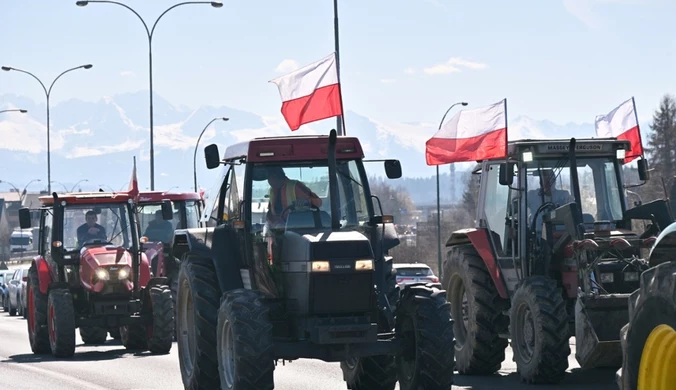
x,y
410,273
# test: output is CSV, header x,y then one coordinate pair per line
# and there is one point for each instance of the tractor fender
x,y
196,241
478,238
44,273
664,247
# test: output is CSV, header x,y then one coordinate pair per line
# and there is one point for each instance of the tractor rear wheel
x,y
649,339
539,331
38,334
161,332
476,308
92,335
61,322
424,323
370,373
198,301
134,337
244,339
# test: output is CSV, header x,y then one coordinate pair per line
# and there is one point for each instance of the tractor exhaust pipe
x,y
333,182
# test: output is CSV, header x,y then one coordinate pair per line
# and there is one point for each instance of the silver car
x,y
410,273
15,290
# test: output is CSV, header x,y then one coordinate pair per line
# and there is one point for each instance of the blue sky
x,y
563,60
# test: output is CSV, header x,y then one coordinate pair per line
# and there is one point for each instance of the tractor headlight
x,y
527,156
621,154
124,272
321,266
630,276
363,265
102,274
607,278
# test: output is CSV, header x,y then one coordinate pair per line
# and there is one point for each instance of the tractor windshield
x,y
153,226
96,223
550,181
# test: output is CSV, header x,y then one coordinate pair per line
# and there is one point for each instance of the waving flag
x,y
622,123
310,93
471,135
133,184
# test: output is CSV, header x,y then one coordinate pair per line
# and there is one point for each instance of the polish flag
x,y
310,93
471,135
133,184
622,123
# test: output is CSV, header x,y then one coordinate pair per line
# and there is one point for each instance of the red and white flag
x,y
622,123
471,135
310,93
133,184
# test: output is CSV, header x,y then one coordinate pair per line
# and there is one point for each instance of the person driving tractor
x,y
550,193
90,230
284,193
159,229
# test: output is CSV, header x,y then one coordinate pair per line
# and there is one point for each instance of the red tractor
x,y
556,252
91,274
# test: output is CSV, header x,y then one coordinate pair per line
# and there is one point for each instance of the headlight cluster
x,y
122,273
359,265
628,277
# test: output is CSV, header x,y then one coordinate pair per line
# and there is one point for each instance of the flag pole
x,y
638,126
340,119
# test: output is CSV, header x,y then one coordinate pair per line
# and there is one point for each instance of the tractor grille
x,y
341,293
326,250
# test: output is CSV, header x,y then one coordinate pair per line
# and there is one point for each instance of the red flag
x,y
622,123
310,93
471,135
133,184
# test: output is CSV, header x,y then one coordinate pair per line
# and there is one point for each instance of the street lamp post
x,y
75,185
438,197
65,189
23,193
194,158
21,110
48,94
149,32
6,182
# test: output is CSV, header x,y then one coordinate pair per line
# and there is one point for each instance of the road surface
x,y
111,367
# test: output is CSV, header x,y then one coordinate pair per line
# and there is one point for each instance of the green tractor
x,y
556,253
312,281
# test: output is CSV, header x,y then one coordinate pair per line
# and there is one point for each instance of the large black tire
x,y
161,335
653,304
424,323
370,373
134,337
539,331
477,310
198,302
244,339
61,322
38,334
92,335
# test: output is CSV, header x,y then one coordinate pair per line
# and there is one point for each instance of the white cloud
x,y
164,174
409,70
454,64
583,9
287,66
388,81
92,151
126,73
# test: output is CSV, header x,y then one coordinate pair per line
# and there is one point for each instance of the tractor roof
x,y
159,196
290,148
555,148
86,198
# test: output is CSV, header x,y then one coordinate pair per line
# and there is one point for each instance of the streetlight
x,y
6,182
48,93
75,185
21,110
62,185
215,4
194,158
106,185
23,193
438,201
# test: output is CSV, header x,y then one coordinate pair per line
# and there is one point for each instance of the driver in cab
x,y
285,193
91,230
551,194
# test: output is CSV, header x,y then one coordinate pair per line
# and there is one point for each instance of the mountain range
x,y
96,141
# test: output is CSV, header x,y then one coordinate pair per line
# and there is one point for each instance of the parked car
x,y
409,273
5,276
16,288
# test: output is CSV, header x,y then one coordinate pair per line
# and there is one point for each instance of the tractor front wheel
x,y
370,373
539,331
38,334
424,324
61,322
134,337
649,339
244,339
161,332
93,335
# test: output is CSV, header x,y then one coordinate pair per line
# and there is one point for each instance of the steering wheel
x,y
292,207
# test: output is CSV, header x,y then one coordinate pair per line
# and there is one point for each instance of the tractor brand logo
x,y
143,198
578,147
342,266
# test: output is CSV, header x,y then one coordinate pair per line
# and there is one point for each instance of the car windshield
x,y
410,271
601,196
153,226
96,223
23,240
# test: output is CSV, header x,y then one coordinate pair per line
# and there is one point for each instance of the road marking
x,y
54,374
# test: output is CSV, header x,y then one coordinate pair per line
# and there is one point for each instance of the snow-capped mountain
x,y
97,140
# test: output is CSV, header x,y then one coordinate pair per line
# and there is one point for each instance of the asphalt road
x,y
111,367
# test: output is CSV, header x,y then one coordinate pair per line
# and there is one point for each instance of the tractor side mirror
x,y
212,156
167,210
24,218
393,169
643,173
506,174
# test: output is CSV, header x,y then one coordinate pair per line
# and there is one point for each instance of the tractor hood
x,y
107,269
